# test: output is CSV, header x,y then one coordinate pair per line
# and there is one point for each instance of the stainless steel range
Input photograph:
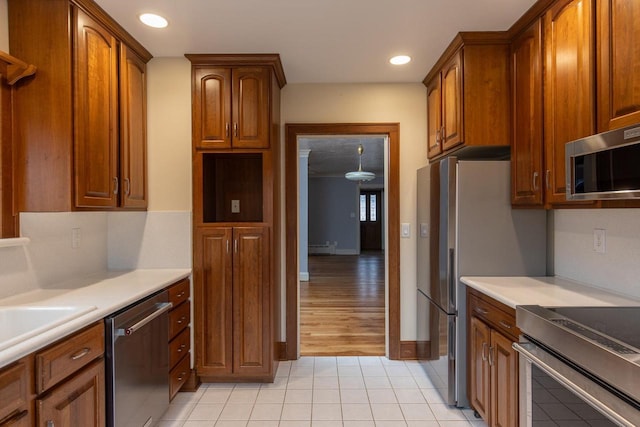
x,y
591,352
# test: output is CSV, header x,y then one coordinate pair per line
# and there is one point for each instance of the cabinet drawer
x,y
179,347
14,392
179,319
179,292
178,376
498,318
22,419
72,353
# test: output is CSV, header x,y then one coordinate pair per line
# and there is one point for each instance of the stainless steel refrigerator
x,y
466,228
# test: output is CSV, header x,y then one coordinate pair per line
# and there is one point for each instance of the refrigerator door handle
x,y
452,281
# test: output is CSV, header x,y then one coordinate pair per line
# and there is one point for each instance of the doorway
x,y
370,220
392,255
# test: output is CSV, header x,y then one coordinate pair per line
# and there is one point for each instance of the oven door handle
x,y
162,308
551,371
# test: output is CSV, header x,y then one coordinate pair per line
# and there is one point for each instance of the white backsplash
x,y
113,240
149,240
618,269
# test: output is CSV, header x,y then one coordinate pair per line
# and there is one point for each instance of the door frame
x,y
392,247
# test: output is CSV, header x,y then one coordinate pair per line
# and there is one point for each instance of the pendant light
x,y
360,175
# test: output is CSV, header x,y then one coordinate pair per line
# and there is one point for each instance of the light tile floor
x,y
323,392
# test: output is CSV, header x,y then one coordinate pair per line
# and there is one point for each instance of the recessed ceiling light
x,y
400,60
153,20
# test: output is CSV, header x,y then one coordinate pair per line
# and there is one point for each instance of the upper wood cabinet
x,y
80,127
231,107
11,71
569,86
526,127
468,96
618,61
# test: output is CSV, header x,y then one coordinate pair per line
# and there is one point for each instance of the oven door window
x,y
555,405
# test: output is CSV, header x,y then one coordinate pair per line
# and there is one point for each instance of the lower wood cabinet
x,y
15,393
493,364
179,336
233,332
78,401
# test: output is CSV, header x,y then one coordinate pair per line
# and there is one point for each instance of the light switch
x,y
76,236
424,230
405,230
235,206
599,240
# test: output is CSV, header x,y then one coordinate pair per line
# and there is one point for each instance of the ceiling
x,y
335,156
319,41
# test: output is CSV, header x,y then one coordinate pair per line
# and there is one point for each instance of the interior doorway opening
x,y
391,228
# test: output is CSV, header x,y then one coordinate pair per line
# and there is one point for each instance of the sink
x,y
20,323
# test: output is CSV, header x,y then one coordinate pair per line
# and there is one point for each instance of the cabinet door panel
x,y
618,64
504,382
95,111
133,129
213,301
452,119
77,402
479,375
569,85
251,107
526,143
212,107
434,118
251,300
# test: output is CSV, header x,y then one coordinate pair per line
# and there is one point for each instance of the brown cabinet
x,y
15,393
231,107
493,364
80,129
527,164
468,96
233,303
569,86
618,61
179,336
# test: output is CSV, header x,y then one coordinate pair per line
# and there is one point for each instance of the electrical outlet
x,y
599,240
235,206
76,236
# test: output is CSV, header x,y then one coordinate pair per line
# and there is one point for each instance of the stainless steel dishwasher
x,y
137,363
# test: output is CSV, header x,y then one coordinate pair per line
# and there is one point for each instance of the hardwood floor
x,y
342,306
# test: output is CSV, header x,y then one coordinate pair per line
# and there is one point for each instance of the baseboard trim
x,y
304,276
193,382
281,351
346,252
408,350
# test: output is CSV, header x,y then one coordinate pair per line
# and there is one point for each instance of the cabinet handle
x,y
438,136
180,295
182,319
182,347
127,186
481,311
235,129
484,351
442,134
226,129
180,377
51,423
227,246
115,185
505,324
235,246
491,355
80,354
535,181
547,179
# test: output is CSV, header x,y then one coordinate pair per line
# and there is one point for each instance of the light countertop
x,y
108,292
545,291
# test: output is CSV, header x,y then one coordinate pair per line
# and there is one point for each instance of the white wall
x,y
169,134
370,103
618,269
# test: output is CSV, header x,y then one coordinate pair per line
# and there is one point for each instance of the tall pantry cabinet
x,y
80,130
236,214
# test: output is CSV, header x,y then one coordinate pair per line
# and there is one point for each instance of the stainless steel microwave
x,y
604,166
